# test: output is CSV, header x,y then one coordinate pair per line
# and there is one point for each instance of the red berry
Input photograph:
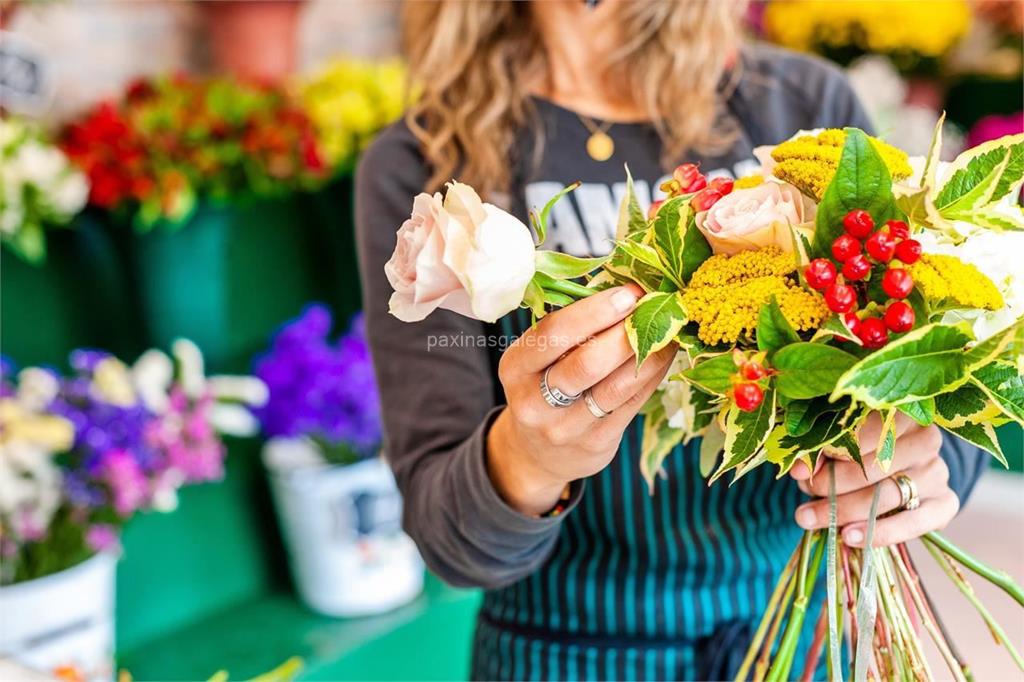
x,y
852,322
856,268
689,177
753,371
880,246
747,396
899,317
859,223
898,229
897,283
840,298
872,333
820,273
705,199
722,185
908,251
845,247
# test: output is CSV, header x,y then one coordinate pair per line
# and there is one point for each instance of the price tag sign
x,y
25,82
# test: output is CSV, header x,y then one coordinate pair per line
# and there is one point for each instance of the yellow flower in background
x,y
810,161
887,26
748,181
726,294
350,100
947,278
19,425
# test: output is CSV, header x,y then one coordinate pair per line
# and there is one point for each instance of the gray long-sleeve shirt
x,y
437,378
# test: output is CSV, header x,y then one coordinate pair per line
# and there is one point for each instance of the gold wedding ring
x,y
595,409
909,499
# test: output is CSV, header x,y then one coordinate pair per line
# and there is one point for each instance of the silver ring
x,y
909,499
595,409
553,396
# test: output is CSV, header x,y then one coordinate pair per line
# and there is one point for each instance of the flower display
x,y
81,454
171,139
39,188
844,279
459,254
348,101
321,390
907,30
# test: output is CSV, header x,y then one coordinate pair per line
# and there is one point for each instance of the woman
x,y
586,575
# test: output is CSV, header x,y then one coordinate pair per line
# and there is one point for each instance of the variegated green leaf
x,y
773,329
654,323
696,248
968,170
540,220
807,370
639,251
844,447
669,227
978,196
631,216
711,447
983,435
1004,385
886,449
924,363
966,404
1007,345
657,442
921,411
746,432
534,299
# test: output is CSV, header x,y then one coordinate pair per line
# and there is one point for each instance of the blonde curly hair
x,y
471,62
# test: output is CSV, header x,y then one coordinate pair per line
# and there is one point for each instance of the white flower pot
x,y
342,528
63,619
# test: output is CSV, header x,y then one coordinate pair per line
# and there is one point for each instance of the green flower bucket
x,y
227,277
332,216
78,297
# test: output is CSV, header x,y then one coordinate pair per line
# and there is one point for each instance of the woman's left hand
x,y
917,456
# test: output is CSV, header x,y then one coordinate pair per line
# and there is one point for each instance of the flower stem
x,y
1000,579
773,603
958,579
809,567
569,288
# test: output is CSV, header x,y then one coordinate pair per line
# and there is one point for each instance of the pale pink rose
x,y
459,254
756,217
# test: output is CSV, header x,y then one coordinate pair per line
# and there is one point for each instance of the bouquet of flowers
x,y
321,390
39,188
79,455
171,139
349,101
844,279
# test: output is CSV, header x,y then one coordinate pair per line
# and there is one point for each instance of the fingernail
x,y
624,300
806,517
854,537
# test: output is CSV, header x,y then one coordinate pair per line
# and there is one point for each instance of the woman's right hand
x,y
533,449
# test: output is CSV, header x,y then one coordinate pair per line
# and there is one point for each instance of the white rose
x,y
676,397
753,218
459,254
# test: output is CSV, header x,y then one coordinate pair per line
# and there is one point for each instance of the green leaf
x,y
668,228
886,449
28,243
861,181
984,436
540,220
564,266
921,411
835,326
641,252
807,369
631,216
1002,383
746,432
966,404
801,414
657,442
658,317
973,165
704,408
925,362
773,329
785,450
713,375
978,196
845,446
696,249
533,299
1007,345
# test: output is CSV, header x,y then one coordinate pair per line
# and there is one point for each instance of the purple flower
x,y
187,439
320,389
129,487
995,126
102,536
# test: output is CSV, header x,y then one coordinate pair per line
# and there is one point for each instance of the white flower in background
x,y
37,388
998,256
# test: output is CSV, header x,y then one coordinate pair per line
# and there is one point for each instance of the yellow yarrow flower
x,y
809,162
726,294
949,279
748,181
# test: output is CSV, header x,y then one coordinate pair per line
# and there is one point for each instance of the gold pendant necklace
x,y
600,145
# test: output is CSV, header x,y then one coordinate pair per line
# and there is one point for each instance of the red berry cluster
x,y
687,179
746,391
860,251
